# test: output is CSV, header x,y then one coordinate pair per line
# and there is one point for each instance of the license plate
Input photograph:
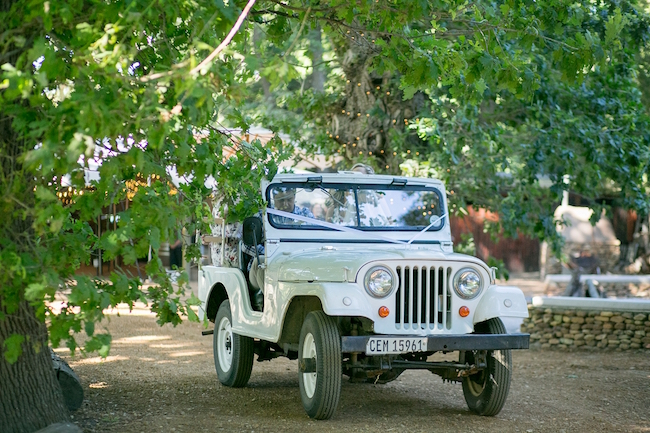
x,y
384,346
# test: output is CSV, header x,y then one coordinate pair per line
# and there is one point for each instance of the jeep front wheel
x,y
233,353
486,391
319,356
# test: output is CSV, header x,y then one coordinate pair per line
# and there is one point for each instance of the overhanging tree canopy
x,y
492,101
127,82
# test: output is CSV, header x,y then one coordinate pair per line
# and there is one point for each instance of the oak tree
x,y
149,93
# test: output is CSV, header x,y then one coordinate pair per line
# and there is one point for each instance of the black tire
x,y
320,390
233,353
486,391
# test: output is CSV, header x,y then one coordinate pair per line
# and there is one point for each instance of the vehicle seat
x,y
256,274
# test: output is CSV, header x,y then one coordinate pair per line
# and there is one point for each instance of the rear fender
x,y
217,284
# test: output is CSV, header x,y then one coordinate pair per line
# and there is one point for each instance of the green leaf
x,y
191,315
193,300
480,86
45,194
409,91
100,343
614,25
89,327
34,291
13,348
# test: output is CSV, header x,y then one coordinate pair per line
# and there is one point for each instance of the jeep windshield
x,y
363,207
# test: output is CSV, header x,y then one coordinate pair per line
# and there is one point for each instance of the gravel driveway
x,y
162,379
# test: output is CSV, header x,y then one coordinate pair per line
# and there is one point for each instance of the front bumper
x,y
448,343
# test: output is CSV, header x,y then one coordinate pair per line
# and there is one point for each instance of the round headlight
x,y
379,281
468,283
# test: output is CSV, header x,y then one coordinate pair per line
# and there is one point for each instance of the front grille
x,y
423,298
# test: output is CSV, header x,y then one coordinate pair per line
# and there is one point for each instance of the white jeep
x,y
358,278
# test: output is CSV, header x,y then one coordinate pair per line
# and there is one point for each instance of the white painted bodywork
x,y
331,266
501,301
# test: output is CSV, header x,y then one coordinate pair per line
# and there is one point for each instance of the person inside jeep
x,y
372,207
341,208
283,199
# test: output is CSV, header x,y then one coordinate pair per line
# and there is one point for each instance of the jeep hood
x,y
328,264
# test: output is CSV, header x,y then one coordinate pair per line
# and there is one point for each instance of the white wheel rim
x,y
475,388
224,344
309,352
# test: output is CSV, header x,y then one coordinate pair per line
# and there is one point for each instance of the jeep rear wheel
x,y
486,391
319,355
233,353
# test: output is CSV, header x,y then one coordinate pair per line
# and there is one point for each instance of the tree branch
x,y
295,8
212,55
226,41
278,13
302,26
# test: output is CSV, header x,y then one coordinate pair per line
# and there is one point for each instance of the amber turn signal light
x,y
384,311
463,311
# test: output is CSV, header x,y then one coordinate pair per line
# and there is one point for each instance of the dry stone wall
x,y
576,329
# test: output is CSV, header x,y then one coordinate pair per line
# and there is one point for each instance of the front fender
x,y
501,301
345,299
337,299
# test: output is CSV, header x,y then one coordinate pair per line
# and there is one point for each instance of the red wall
x,y
519,255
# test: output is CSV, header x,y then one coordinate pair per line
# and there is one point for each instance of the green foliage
x,y
108,85
504,104
467,246
591,139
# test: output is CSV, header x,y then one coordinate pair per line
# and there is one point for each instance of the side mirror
x,y
252,231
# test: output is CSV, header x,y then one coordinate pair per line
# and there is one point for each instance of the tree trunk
x,y
30,396
371,106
